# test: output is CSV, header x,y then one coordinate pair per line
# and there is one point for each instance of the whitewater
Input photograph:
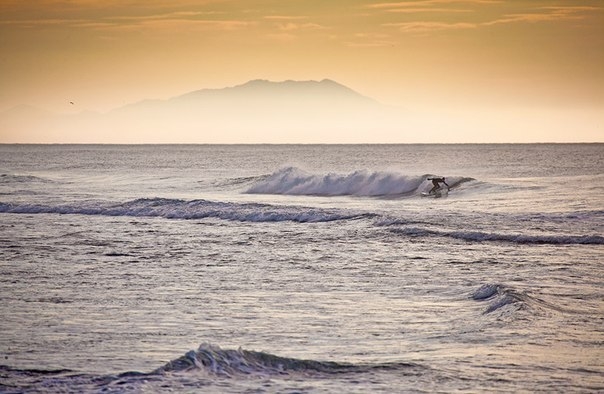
x,y
301,268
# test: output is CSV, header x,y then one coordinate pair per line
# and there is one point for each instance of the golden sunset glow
x,y
460,71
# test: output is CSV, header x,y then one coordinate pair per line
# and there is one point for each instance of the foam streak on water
x,y
301,268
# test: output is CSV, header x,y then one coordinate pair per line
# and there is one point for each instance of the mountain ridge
x,y
292,88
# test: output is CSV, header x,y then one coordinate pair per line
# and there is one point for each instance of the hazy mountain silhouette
x,y
261,88
256,111
262,95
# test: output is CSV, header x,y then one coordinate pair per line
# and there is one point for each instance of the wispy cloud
x,y
425,26
545,14
285,17
534,15
292,31
290,26
216,25
180,19
415,16
401,5
168,15
426,10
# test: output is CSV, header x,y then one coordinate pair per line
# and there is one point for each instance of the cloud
x,y
168,15
298,26
27,23
289,27
370,44
285,17
547,14
224,25
179,19
427,3
426,10
425,26
534,15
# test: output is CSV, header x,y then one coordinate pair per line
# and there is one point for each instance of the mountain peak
x,y
292,83
262,89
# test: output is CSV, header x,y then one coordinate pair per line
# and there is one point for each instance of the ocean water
x,y
301,268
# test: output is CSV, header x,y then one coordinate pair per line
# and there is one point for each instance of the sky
x,y
474,70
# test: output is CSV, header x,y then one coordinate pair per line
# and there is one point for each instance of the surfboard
x,y
436,194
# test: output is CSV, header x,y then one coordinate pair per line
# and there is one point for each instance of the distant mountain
x,y
291,90
256,111
296,95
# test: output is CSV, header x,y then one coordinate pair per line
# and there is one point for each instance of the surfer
x,y
436,181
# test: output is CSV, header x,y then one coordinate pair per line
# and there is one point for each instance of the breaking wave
x,y
231,362
194,209
294,181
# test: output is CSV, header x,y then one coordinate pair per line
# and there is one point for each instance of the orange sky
x,y
531,69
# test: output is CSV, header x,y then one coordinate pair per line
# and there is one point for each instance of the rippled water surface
x,y
301,268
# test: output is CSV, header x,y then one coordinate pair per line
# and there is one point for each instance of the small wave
x,y
50,300
529,239
230,362
195,209
294,181
238,182
485,291
478,236
214,364
500,302
34,371
498,296
565,216
11,178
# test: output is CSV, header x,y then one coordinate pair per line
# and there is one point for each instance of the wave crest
x,y
498,296
230,362
215,360
294,181
194,209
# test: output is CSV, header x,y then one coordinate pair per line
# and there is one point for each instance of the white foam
x,y
294,181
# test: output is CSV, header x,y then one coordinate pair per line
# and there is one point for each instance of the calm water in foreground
x,y
301,268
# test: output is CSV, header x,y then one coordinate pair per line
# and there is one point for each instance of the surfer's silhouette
x,y
436,181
